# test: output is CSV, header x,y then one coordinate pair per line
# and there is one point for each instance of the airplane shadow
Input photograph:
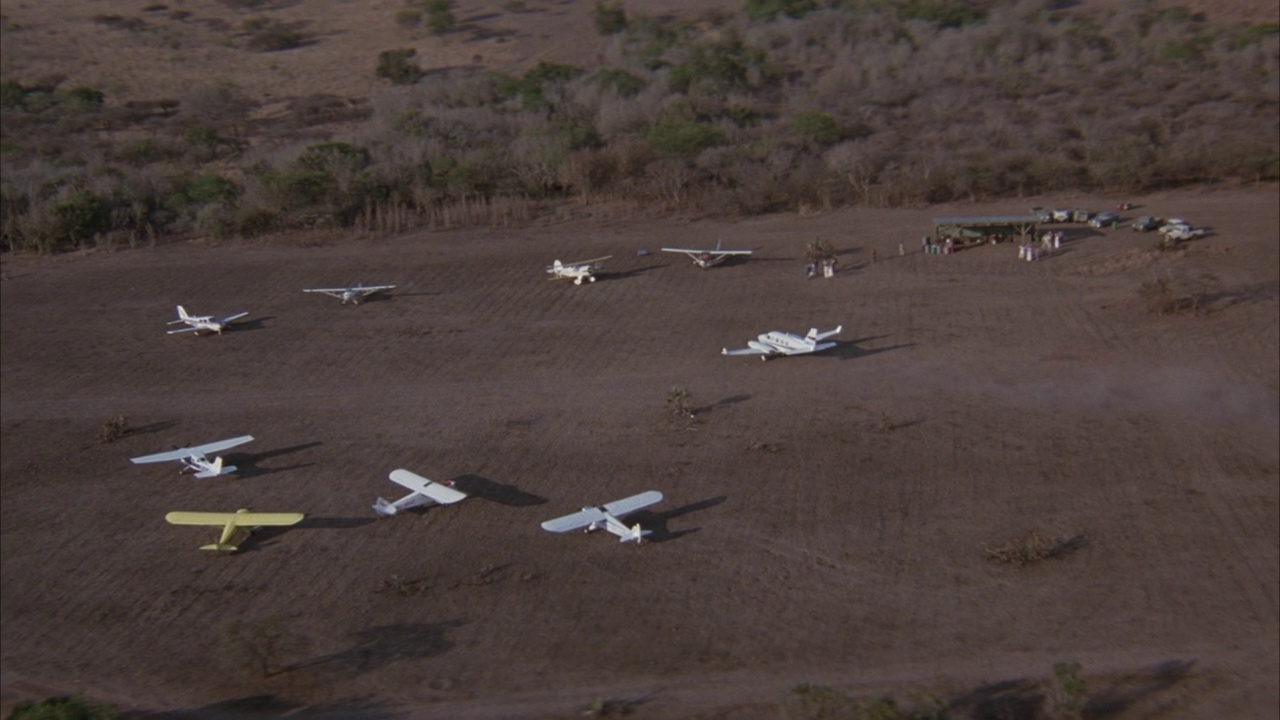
x,y
247,463
850,351
487,489
257,323
657,521
624,274
376,647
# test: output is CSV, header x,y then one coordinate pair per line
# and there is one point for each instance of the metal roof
x,y
988,220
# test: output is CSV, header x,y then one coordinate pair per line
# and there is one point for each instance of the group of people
x,y
1050,241
826,265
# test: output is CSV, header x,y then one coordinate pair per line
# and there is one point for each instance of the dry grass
x,y
1030,549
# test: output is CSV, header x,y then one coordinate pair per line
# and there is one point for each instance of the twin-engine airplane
x,y
194,459
351,294
608,516
708,258
200,323
577,271
424,492
231,522
784,343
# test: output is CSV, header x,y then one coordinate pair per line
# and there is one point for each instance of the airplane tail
x,y
182,316
384,508
635,534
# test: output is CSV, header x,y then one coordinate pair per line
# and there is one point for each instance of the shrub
x,y
943,13
684,139
394,65
63,708
333,155
83,99
409,17
210,188
619,81
771,9
818,127
81,215
440,18
12,94
610,17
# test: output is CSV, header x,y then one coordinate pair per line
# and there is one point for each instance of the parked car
x,y
1079,215
1104,219
1146,223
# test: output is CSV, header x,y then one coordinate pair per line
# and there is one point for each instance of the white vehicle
x,y
577,271
609,517
423,492
198,323
1177,229
351,294
196,460
708,258
785,343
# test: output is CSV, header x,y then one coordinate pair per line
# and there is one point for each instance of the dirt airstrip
x,y
825,516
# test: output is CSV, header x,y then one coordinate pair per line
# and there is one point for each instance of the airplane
x,y
784,343
608,516
708,258
425,492
240,519
194,459
351,294
577,271
202,322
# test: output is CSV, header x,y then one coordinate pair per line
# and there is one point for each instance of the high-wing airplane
x,y
708,258
198,323
608,516
784,343
239,520
195,459
351,294
577,271
424,492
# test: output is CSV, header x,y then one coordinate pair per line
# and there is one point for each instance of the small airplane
x,y
708,258
608,516
195,459
198,323
577,271
425,492
351,294
239,520
784,343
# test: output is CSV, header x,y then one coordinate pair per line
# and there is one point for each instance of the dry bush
x,y
113,430
1169,295
680,403
1031,548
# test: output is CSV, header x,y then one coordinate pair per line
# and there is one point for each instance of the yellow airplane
x,y
232,521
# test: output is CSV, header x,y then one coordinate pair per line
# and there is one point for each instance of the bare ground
x,y
825,517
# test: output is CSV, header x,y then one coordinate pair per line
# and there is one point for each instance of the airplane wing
x,y
592,261
187,452
230,318
242,518
182,330
442,494
576,521
335,292
744,351
370,289
626,506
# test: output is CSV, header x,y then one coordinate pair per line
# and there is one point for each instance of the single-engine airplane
x,y
784,343
199,323
577,271
239,520
424,492
195,459
608,516
351,294
708,258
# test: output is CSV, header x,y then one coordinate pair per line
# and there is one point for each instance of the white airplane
x,y
577,271
784,343
351,294
425,492
708,258
202,322
608,516
195,459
